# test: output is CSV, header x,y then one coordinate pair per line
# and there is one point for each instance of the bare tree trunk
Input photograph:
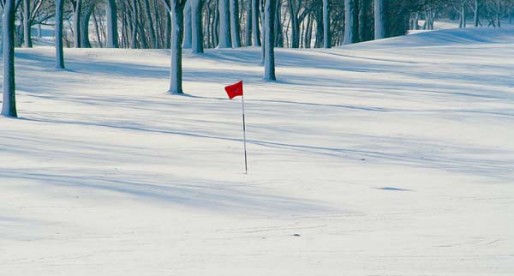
x,y
167,38
308,33
112,24
295,25
133,37
279,36
463,15
27,22
224,27
235,27
364,21
2,27
76,23
269,40
59,53
248,26
151,30
326,25
476,15
379,19
197,28
255,23
188,28
9,85
349,12
177,18
84,27
97,30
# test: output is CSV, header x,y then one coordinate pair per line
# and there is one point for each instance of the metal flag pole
x,y
244,132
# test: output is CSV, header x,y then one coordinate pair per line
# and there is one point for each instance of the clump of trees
x,y
148,24
199,24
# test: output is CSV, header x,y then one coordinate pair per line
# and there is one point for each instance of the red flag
x,y
234,90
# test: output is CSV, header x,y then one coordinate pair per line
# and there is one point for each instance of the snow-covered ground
x,y
387,158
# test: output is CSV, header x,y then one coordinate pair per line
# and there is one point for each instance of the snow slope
x,y
379,159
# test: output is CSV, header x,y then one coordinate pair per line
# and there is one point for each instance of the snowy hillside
x,y
388,158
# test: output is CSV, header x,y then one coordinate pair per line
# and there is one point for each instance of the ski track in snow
x,y
392,157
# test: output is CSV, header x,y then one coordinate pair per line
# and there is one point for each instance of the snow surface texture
x,y
387,158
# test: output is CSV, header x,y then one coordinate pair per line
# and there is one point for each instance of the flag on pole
x,y
234,90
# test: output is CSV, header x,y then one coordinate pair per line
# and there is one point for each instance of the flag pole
x,y
244,132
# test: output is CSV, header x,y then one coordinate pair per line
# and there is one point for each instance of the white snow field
x,y
393,157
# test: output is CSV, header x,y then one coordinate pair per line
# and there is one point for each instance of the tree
x,y
326,25
365,20
176,10
27,24
2,3
476,13
59,11
379,19
349,19
77,9
188,27
112,24
235,27
9,85
269,40
224,25
256,34
84,18
196,26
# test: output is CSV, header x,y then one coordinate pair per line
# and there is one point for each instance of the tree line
x,y
200,24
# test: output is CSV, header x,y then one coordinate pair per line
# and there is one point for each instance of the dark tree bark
x,y
9,86
295,24
27,24
269,40
365,27
150,25
235,27
349,20
326,25
248,25
256,34
112,24
176,8
76,23
134,25
197,28
476,15
279,37
59,53
84,26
